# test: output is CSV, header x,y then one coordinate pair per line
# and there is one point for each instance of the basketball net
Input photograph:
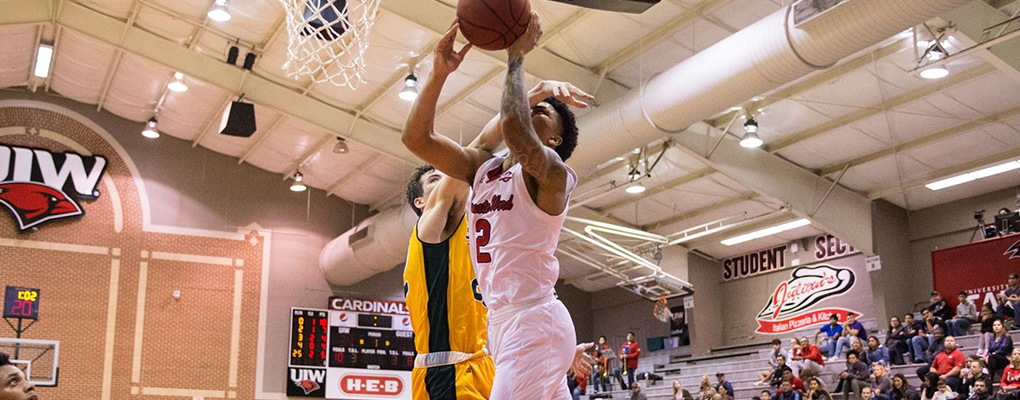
x,y
327,39
661,310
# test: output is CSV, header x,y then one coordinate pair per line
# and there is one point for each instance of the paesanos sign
x,y
792,304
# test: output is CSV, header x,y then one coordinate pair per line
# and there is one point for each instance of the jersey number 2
x,y
483,229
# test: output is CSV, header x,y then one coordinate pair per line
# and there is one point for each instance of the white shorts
x,y
533,348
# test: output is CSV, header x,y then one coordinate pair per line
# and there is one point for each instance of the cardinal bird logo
x,y
1013,251
308,385
32,204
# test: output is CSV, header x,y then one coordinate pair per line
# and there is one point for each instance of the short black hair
x,y
570,133
766,391
850,314
834,316
777,341
602,337
1014,275
962,293
414,187
853,353
632,334
5,359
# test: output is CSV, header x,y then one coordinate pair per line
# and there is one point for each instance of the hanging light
x,y
298,186
636,189
177,84
935,53
219,12
751,139
410,91
341,146
151,130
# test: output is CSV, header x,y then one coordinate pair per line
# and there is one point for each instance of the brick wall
x,y
145,342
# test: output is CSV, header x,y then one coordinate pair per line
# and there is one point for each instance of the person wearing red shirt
x,y
1011,376
629,354
602,383
807,358
947,364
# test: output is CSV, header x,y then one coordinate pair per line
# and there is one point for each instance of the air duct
x,y
375,245
762,57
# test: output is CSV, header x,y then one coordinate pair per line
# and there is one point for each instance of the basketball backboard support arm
x,y
48,355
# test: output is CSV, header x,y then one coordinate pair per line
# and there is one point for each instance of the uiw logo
x,y
805,288
38,185
307,379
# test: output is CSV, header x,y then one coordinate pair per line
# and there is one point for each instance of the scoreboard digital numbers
x,y
21,302
309,338
359,349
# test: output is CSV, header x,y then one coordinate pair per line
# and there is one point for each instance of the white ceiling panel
x,y
597,36
657,57
184,115
1008,132
116,8
171,27
858,89
872,175
699,35
787,117
137,87
988,93
842,144
18,49
960,149
80,66
919,119
737,14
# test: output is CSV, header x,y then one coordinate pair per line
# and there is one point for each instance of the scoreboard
x,y
360,349
21,302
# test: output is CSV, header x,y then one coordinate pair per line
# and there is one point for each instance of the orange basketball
x,y
493,24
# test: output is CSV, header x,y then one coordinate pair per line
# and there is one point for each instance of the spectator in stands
x,y
929,385
809,359
857,345
914,328
867,394
947,364
635,392
786,392
896,342
988,317
765,395
574,385
798,384
854,378
679,393
832,346
600,375
1009,301
723,383
901,389
939,307
629,354
942,392
724,394
876,353
706,391
817,390
1010,385
777,351
776,377
13,384
966,315
999,348
980,391
926,336
880,382
975,372
852,328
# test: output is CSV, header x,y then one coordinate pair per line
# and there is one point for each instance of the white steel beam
x,y
970,22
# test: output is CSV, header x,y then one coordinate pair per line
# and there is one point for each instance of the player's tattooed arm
x,y
539,161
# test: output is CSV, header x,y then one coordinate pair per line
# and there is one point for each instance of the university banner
x,y
979,268
678,325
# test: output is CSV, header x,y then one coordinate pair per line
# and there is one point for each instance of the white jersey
x,y
512,240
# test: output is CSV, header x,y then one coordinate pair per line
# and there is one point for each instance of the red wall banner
x,y
979,268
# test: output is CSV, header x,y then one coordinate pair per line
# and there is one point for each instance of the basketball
x,y
493,24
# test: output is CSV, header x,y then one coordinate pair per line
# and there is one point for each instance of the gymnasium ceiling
x,y
895,130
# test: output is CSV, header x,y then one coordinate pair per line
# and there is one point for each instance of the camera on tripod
x,y
979,215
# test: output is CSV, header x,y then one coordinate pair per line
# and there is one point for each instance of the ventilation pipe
x,y
375,245
759,58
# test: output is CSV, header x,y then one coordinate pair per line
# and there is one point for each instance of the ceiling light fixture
x,y
935,73
934,54
219,12
751,139
766,232
298,186
973,176
341,146
636,189
151,130
43,59
177,84
410,91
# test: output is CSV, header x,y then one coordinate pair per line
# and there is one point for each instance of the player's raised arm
x,y
536,159
419,134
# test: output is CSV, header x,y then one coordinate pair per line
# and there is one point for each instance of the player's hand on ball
x,y
562,91
447,59
527,42
582,361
